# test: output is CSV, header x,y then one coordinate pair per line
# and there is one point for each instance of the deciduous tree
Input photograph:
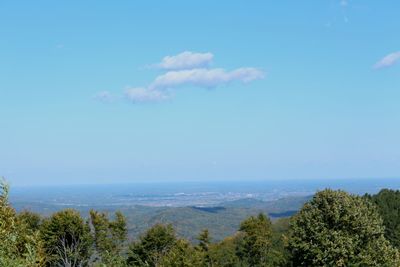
x,y
256,241
388,204
339,229
67,239
152,246
109,236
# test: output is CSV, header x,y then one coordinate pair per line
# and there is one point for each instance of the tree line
x,y
334,228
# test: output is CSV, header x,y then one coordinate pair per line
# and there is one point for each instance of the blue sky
x,y
125,91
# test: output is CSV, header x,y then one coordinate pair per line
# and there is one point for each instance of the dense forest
x,y
334,228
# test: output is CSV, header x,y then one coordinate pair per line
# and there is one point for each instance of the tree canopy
x,y
152,246
67,239
333,229
388,204
339,229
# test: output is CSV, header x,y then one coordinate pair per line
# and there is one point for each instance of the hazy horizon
x,y
328,181
183,194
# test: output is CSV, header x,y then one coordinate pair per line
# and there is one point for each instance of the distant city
x,y
181,194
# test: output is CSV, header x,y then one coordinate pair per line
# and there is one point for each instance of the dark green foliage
x,y
339,229
119,231
333,229
223,254
31,220
280,255
100,223
109,236
152,246
388,205
204,240
183,254
256,241
67,239
204,246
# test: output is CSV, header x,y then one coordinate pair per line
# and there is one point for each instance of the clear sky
x,y
124,91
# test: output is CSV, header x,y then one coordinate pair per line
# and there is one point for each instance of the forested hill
x,y
333,228
222,220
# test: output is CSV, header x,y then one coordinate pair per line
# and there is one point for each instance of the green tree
x,y
66,239
256,241
182,254
18,246
388,204
279,254
119,230
8,225
339,229
31,220
223,254
203,246
109,236
204,240
152,246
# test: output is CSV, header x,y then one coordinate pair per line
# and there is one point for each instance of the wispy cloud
x,y
341,13
145,95
388,60
186,69
186,60
205,78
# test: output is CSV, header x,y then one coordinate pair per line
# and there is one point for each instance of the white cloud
x,y
207,78
186,60
344,3
388,60
145,95
185,69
